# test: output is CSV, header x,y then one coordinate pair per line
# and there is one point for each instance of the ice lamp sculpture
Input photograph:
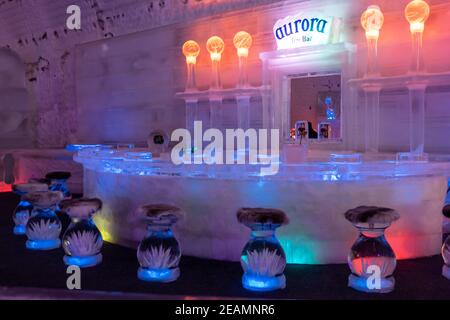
x,y
82,241
215,47
58,182
417,13
44,227
23,210
372,20
372,260
159,253
242,42
263,259
191,50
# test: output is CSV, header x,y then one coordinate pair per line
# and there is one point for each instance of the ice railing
x,y
338,167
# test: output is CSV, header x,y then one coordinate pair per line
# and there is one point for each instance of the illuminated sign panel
x,y
305,30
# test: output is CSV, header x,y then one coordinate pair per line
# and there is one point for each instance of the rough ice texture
x,y
44,198
261,215
317,233
49,53
161,212
371,215
81,208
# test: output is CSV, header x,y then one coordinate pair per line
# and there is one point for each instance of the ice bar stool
x,y
371,259
446,213
44,227
23,210
59,182
159,253
82,241
263,259
446,245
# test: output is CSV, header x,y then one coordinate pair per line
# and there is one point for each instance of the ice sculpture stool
x,y
159,253
44,227
371,259
446,245
59,182
446,256
263,259
23,210
82,241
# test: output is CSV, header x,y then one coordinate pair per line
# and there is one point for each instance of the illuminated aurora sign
x,y
305,30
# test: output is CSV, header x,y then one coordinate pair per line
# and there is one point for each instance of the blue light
x,y
158,275
262,284
79,147
20,230
43,244
331,115
360,284
83,262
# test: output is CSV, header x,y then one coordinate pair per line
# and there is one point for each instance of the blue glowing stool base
x,y
360,284
446,271
158,275
19,230
83,262
263,284
43,244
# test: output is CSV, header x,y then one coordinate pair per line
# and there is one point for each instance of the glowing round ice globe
x,y
372,20
242,41
191,50
215,46
417,13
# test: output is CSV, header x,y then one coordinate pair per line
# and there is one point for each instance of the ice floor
x,y
45,274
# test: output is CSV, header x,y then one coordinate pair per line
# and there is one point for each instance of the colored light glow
x,y
360,266
215,46
191,50
43,244
5,187
417,13
83,262
78,147
104,226
242,41
262,284
158,275
19,230
372,20
362,284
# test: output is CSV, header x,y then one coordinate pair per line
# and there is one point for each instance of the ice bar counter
x,y
314,194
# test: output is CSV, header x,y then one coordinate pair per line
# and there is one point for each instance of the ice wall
x,y
65,106
16,121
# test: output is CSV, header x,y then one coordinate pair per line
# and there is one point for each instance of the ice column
x,y
372,118
215,112
417,118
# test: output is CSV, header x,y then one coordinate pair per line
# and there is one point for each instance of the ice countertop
x,y
319,166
